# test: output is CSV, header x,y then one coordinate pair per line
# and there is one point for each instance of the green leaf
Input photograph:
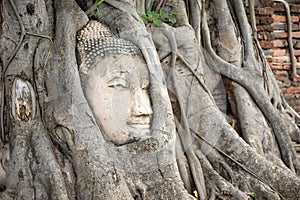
x,y
172,20
97,9
157,22
99,2
163,14
155,14
148,11
150,16
144,18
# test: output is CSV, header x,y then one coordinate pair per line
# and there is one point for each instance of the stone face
x,y
117,91
115,82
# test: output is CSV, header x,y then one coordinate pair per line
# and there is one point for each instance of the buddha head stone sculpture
x,y
115,81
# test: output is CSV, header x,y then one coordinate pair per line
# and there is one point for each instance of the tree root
x,y
184,170
183,129
249,57
196,6
241,179
54,178
6,65
246,78
290,37
219,186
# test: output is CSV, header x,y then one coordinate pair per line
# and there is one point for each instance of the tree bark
x,y
52,147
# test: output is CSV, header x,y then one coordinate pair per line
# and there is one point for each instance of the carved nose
x,y
140,103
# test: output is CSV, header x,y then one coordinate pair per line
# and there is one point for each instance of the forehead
x,y
125,65
131,68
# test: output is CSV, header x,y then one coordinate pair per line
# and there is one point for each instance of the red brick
x,y
278,18
283,66
264,20
288,96
283,26
297,45
286,83
257,20
280,78
281,34
294,42
266,36
268,52
271,65
280,43
295,8
274,67
281,72
267,28
269,58
291,90
266,44
281,59
279,67
297,80
278,7
295,26
296,34
297,52
297,96
264,11
279,52
266,3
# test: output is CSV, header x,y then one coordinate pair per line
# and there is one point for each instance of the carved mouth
x,y
139,126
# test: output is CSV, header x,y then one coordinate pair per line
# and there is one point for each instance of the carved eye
x,y
118,83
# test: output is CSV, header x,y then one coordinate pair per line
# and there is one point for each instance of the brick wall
x,y
273,37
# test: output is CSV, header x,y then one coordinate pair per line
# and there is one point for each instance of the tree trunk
x,y
53,148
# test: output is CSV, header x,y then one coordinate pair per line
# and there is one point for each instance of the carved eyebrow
x,y
116,73
116,78
117,82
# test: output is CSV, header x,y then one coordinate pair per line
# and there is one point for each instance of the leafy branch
x,y
96,9
158,18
